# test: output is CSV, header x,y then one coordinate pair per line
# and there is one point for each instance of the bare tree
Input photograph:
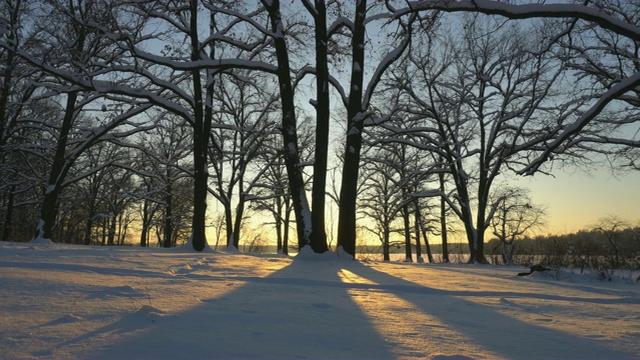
x,y
617,81
600,58
394,172
271,194
92,191
166,77
289,130
164,174
381,195
611,227
96,201
358,104
318,11
515,215
243,122
61,27
484,101
18,169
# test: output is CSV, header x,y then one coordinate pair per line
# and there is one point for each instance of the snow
x,y
77,302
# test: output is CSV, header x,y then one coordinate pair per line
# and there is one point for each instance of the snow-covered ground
x,y
77,302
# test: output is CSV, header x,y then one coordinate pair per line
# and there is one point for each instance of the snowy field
x,y
77,302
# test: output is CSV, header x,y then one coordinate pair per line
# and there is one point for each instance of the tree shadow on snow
x,y
492,330
318,319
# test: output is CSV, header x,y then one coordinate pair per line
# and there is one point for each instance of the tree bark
x,y
89,223
278,223
443,220
285,237
145,224
408,255
237,226
386,256
58,172
8,216
112,229
417,225
318,235
201,130
168,213
289,129
355,125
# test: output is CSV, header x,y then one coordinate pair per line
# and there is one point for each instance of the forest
x,y
155,123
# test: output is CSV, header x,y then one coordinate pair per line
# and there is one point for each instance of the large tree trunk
x,y
58,172
506,248
237,226
122,228
425,236
319,236
228,222
144,237
89,224
201,130
408,256
285,237
9,65
443,221
112,229
386,256
277,217
417,225
198,236
8,216
479,250
427,246
464,200
289,129
355,115
467,216
168,216
103,240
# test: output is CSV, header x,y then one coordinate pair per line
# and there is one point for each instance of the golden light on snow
x,y
412,331
523,309
118,302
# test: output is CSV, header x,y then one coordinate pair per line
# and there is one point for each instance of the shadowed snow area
x,y
76,302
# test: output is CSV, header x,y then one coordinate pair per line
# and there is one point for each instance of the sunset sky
x,y
576,200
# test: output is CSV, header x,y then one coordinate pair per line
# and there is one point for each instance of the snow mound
x,y
306,253
149,313
343,254
148,310
231,250
188,247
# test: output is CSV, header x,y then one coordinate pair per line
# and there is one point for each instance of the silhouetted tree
x,y
515,215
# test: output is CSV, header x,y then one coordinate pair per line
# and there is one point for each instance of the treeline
x,y
594,249
161,122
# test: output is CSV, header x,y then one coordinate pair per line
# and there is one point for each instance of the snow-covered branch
x,y
625,85
527,11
